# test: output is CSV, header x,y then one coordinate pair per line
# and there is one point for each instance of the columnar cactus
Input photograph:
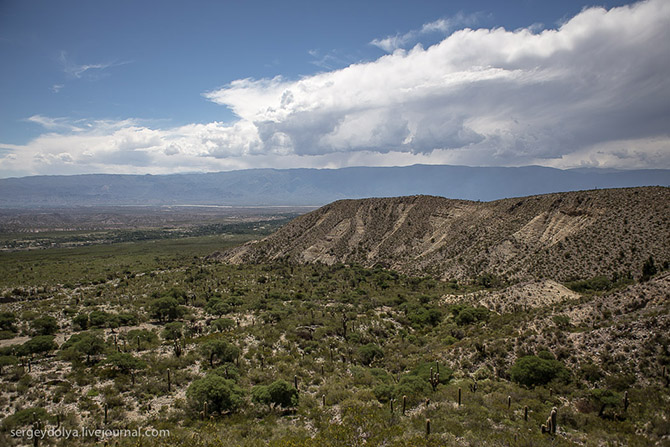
x,y
625,401
459,396
427,427
551,423
434,379
37,426
404,404
553,417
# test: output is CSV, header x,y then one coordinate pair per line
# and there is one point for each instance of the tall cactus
x,y
434,379
551,424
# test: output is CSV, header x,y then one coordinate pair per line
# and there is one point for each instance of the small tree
x,y
98,319
223,324
220,349
85,343
604,398
534,370
7,360
216,306
81,320
648,269
125,363
46,325
368,353
165,309
173,331
220,394
7,321
279,393
41,344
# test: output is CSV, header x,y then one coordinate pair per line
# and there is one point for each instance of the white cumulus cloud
x,y
594,92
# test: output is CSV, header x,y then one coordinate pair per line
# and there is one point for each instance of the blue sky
x,y
174,86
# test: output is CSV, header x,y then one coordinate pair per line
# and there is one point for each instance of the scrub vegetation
x,y
158,334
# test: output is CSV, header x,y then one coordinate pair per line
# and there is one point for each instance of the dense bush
x,y
165,309
7,321
85,343
46,325
368,353
125,362
25,417
221,394
219,349
279,393
41,344
533,370
173,331
464,315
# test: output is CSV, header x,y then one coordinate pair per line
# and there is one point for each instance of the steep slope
x,y
560,236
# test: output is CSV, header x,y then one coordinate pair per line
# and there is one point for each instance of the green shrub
x,y
25,417
279,393
81,320
533,370
368,353
219,349
84,343
41,344
467,315
7,321
165,309
98,319
125,362
46,325
223,324
221,394
173,331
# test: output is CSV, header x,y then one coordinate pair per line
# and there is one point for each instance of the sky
x,y
160,87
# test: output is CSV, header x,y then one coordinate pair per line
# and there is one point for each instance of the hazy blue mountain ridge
x,y
312,186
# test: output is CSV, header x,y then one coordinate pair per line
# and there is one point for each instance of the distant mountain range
x,y
312,186
560,236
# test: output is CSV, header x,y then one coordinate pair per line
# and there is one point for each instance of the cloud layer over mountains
x,y
594,92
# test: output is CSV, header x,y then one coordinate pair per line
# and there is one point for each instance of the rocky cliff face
x,y
559,236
